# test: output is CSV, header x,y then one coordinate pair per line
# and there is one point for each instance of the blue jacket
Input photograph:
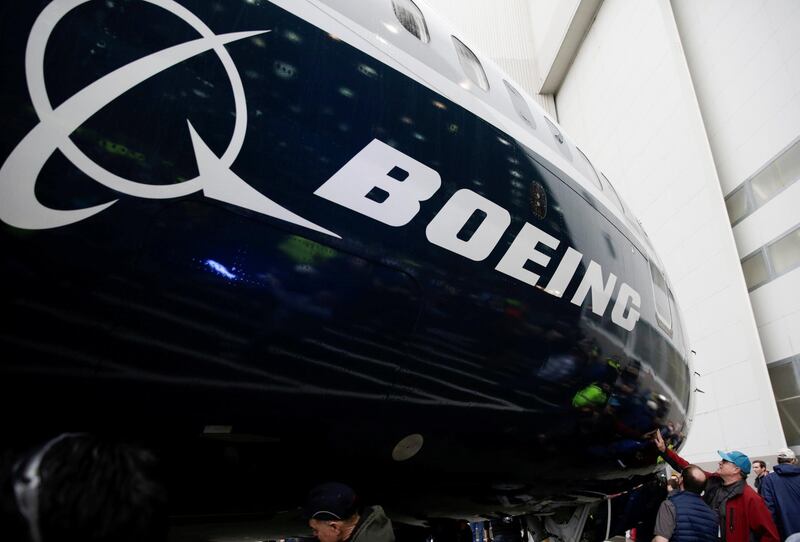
x,y
781,493
694,519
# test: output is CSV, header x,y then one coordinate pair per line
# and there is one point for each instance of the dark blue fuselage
x,y
157,318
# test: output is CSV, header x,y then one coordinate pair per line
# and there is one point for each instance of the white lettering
x,y
601,293
564,273
625,294
443,229
522,249
412,183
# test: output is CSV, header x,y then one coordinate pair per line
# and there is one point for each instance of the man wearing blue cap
x,y
741,510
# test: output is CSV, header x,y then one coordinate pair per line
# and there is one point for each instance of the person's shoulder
x,y
786,469
749,490
373,509
769,481
751,496
667,507
374,526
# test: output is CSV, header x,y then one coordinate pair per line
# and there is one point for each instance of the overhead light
x,y
408,447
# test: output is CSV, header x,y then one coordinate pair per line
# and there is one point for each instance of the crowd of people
x,y
720,505
78,487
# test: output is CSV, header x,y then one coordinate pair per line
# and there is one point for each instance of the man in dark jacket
x,y
684,516
781,492
741,511
335,516
760,470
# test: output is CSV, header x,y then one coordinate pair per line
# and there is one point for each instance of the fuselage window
x,y
412,19
560,142
663,314
614,197
588,169
471,65
677,331
520,105
642,233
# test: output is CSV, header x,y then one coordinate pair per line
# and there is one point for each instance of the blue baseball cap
x,y
737,458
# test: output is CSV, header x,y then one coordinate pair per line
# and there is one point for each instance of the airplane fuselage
x,y
341,267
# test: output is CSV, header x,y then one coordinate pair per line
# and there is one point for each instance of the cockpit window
x,y
588,169
660,291
471,65
412,19
520,105
561,144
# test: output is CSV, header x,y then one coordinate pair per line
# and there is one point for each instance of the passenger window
x,y
614,197
520,105
660,290
588,169
471,65
560,143
640,229
678,332
412,19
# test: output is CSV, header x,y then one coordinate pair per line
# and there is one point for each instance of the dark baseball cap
x,y
331,501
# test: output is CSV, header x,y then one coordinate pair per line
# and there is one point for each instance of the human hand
x,y
658,440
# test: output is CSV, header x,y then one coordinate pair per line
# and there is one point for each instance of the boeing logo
x,y
18,204
405,182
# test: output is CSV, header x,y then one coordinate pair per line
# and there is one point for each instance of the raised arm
x,y
670,456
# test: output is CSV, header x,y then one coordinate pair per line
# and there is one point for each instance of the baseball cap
x,y
786,453
331,501
737,458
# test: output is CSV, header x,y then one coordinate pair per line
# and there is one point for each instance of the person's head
x,y
734,466
332,511
759,467
693,479
786,455
78,487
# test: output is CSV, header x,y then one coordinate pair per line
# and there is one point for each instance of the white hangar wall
x,y
745,63
624,91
